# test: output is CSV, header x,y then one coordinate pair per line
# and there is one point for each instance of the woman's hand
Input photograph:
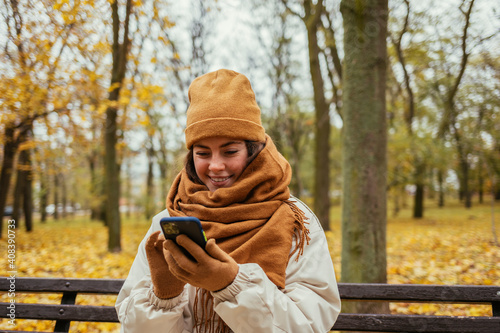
x,y
213,270
165,284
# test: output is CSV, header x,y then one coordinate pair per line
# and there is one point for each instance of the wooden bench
x,y
67,311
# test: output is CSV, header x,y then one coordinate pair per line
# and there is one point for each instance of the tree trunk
x,y
27,190
44,196
18,196
441,189
112,168
322,121
128,188
364,148
149,205
23,202
98,205
418,208
56,196
460,189
64,194
9,152
465,193
94,210
397,201
163,165
112,183
102,207
480,184
296,185
96,160
464,167
418,205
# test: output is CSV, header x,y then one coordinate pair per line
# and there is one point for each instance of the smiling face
x,y
219,161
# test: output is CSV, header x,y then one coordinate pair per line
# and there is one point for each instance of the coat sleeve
x,y
310,301
138,308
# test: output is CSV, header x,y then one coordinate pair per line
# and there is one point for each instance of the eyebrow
x,y
222,146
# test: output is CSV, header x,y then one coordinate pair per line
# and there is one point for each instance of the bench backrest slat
x,y
53,285
419,293
65,312
348,291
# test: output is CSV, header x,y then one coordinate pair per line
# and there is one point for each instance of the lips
x,y
219,181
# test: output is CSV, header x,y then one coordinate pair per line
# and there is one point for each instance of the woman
x,y
266,266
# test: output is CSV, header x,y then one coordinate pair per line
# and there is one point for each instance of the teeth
x,y
219,179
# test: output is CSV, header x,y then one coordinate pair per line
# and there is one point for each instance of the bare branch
x,y
465,55
331,44
397,44
124,48
291,11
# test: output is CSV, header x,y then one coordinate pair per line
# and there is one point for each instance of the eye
x,y
202,153
231,152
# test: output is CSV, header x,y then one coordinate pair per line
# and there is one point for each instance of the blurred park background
x,y
93,96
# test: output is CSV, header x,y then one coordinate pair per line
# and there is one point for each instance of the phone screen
x,y
189,226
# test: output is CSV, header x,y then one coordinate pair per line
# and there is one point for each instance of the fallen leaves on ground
x,y
74,248
450,246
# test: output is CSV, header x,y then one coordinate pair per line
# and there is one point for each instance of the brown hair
x,y
253,148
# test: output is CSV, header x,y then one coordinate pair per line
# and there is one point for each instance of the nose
x,y
216,164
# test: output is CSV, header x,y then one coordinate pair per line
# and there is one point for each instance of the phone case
x,y
189,226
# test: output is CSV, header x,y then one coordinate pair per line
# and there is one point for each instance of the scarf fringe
x,y
299,227
208,316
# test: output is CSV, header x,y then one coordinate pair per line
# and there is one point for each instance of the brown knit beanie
x,y
222,103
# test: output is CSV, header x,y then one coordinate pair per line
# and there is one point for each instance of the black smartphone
x,y
188,225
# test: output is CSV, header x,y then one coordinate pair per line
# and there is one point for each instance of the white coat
x,y
309,302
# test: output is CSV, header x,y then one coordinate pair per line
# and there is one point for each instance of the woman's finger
x,y
216,252
152,240
194,249
173,267
180,258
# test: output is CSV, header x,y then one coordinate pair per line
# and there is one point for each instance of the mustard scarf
x,y
252,220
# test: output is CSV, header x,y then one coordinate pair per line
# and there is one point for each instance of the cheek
x,y
200,166
240,165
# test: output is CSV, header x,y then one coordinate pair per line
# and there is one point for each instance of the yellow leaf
x,y
113,86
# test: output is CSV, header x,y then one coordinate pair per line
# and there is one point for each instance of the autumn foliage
x,y
450,246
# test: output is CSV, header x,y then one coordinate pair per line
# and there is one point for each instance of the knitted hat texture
x,y
222,103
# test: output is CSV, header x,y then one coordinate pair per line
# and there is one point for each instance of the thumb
x,y
152,241
216,252
153,254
